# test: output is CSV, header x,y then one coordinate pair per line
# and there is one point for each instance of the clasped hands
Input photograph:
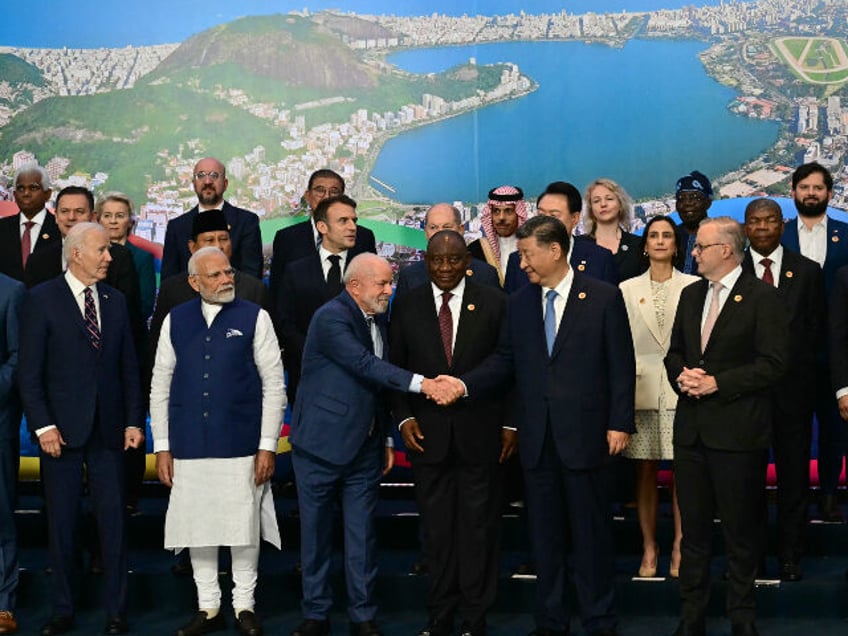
x,y
443,390
696,383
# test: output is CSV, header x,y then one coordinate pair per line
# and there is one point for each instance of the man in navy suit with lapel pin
x,y
11,295
729,349
78,379
443,216
449,327
800,287
566,345
342,443
302,239
562,200
33,228
209,179
820,237
311,281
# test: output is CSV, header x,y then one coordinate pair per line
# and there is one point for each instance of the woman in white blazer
x,y
651,301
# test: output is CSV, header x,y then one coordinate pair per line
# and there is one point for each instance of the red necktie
x,y
446,327
768,277
26,242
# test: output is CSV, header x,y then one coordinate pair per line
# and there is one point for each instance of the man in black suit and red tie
x,y
800,286
729,349
209,179
33,228
449,327
79,382
302,239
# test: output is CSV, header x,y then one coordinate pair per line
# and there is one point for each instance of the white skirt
x,y
215,502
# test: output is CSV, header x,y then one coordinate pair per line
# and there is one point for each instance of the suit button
x,y
207,357
206,394
208,338
205,414
205,376
701,362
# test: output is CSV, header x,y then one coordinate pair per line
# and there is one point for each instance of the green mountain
x,y
188,100
16,71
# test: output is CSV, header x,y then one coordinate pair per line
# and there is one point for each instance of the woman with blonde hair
x,y
607,221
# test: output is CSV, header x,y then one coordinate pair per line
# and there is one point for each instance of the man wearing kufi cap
x,y
209,229
693,197
502,215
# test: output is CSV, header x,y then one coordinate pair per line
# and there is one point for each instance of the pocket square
x,y
232,333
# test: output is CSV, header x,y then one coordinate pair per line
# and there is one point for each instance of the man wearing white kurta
x,y
216,405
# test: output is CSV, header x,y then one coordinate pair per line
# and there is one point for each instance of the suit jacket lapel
x,y
735,299
646,308
574,307
467,322
696,311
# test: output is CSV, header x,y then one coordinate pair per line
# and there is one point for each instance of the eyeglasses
x,y
699,249
32,187
690,196
229,273
201,176
321,191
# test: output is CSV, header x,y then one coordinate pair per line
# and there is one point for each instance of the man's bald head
x,y
442,216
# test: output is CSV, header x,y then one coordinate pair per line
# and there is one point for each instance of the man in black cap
x,y
208,230
693,197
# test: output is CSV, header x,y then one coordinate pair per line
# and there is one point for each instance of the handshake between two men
x,y
444,390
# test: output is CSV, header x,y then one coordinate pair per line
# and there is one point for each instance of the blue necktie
x,y
550,320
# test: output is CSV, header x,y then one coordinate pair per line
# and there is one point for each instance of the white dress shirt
x,y
727,282
776,258
813,241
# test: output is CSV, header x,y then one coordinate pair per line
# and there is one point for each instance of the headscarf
x,y
502,194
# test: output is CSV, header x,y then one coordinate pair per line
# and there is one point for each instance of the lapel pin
x,y
642,301
581,267
737,298
834,238
624,248
229,227
468,272
471,307
105,296
789,274
581,295
45,236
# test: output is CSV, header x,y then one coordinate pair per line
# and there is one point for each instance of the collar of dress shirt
x,y
457,292
38,219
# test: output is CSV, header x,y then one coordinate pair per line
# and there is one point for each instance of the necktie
x,y
90,318
550,319
26,242
712,315
334,275
689,262
768,277
446,327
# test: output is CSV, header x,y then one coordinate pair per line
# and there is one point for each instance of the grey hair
x,y
32,167
360,264
199,255
76,237
731,232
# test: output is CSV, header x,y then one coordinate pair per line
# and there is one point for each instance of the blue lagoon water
x,y
643,115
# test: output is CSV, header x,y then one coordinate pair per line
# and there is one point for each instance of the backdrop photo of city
x,y
414,109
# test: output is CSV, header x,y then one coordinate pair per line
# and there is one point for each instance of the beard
x,y
220,297
811,208
208,197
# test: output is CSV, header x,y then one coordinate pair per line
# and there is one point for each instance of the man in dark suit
x,y
11,295
341,441
78,378
443,216
822,238
449,327
33,228
75,204
300,240
566,345
210,183
562,200
693,196
800,287
311,281
729,349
